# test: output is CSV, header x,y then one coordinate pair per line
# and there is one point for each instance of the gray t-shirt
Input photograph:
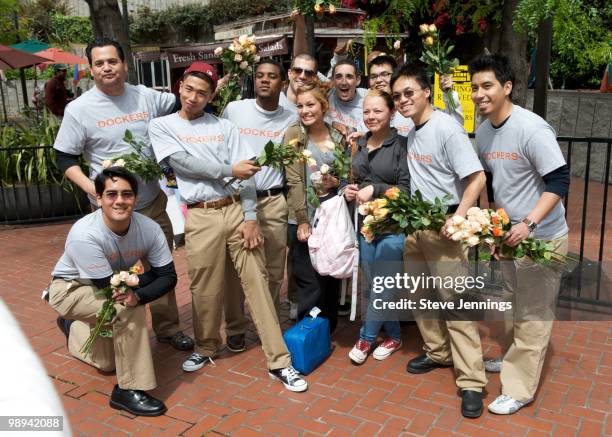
x,y
350,113
92,251
440,155
405,124
208,138
256,127
95,123
518,154
283,101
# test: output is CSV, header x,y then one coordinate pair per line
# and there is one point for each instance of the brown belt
x,y
216,204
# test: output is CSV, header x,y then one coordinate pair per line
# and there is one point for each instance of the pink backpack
x,y
332,244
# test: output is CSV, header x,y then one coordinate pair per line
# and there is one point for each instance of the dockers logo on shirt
x,y
127,254
506,156
254,132
425,159
341,118
128,118
200,139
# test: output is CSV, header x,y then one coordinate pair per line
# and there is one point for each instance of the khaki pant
x,y
272,219
210,234
128,350
446,342
164,310
534,288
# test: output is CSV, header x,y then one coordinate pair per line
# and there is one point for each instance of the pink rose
x,y
132,281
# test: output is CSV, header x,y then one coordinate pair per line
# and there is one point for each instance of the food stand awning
x,y
183,56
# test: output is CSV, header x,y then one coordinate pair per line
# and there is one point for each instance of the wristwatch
x,y
531,225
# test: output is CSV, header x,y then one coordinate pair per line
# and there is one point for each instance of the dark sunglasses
x,y
307,73
113,195
407,93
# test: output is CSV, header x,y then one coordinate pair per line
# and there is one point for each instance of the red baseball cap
x,y
204,68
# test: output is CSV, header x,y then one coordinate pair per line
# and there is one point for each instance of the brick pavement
x,y
236,397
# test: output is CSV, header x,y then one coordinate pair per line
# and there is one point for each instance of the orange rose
x,y
498,232
495,219
504,216
392,193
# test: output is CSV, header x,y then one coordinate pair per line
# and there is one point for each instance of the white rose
x,y
123,276
473,241
218,51
115,281
369,219
251,39
243,39
312,163
475,227
307,154
456,236
256,58
315,177
364,209
457,220
243,65
237,57
397,44
119,163
490,241
238,49
107,163
325,169
132,280
231,47
451,230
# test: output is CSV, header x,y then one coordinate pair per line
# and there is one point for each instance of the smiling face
x,y
488,94
108,70
345,81
195,93
409,98
268,81
309,109
303,72
376,114
117,203
380,76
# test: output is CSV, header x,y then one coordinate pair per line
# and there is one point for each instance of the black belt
x,y
270,192
452,209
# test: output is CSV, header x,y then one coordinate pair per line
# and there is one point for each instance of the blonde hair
x,y
384,95
318,90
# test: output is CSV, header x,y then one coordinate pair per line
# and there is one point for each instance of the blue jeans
x,y
383,257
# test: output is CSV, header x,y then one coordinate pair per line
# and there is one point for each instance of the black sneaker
x,y
236,343
196,362
290,378
179,341
64,326
344,309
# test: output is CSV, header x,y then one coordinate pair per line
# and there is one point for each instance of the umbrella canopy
x,y
11,58
30,46
59,56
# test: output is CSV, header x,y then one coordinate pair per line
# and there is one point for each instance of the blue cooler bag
x,y
308,342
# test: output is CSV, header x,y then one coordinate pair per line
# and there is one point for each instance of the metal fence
x,y
32,188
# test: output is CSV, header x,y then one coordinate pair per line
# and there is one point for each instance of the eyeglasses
x,y
307,72
382,75
407,93
113,195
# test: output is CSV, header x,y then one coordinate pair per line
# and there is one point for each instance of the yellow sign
x,y
463,86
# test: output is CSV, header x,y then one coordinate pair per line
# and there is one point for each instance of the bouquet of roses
x,y
237,58
487,228
339,169
138,162
312,7
435,56
396,212
277,155
121,281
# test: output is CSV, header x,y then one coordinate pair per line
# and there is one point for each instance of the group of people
x,y
241,218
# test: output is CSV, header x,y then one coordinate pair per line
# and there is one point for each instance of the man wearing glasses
x,y
302,72
94,126
109,240
442,162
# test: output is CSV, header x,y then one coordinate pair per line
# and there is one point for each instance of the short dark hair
x,y
306,57
346,62
202,76
414,71
281,69
115,172
103,42
498,64
383,60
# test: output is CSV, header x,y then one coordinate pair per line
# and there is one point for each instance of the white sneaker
x,y
360,351
506,405
290,378
494,365
386,348
293,310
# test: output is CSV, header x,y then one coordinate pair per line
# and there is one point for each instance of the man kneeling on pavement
x,y
112,239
